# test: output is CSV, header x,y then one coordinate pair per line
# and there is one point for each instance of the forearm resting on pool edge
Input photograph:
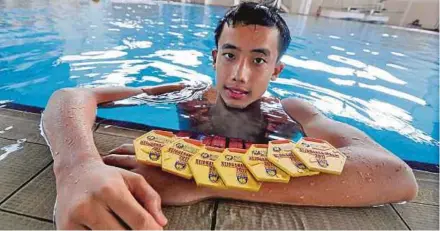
x,y
362,183
70,114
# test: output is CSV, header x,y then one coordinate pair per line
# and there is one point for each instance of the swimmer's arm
x,y
69,118
71,112
372,175
90,194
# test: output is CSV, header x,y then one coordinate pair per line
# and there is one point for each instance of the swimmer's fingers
x,y
158,90
147,196
103,219
72,226
127,149
121,161
106,104
124,203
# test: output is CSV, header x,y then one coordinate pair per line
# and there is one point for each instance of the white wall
x,y
427,11
220,2
424,11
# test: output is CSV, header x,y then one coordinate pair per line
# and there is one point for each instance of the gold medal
x,y
203,170
233,172
280,153
148,146
260,167
177,154
319,155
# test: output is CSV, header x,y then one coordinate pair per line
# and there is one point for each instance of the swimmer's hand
x,y
173,190
158,90
98,196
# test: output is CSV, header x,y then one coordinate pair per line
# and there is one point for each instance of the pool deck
x,y
27,193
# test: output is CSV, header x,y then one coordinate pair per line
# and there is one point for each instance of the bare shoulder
x,y
300,110
295,102
317,125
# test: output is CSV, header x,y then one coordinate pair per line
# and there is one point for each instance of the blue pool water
x,y
379,79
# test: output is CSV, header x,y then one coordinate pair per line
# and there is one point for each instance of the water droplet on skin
x,y
343,182
347,196
312,183
301,197
76,181
56,153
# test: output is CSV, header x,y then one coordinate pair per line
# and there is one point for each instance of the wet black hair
x,y
251,13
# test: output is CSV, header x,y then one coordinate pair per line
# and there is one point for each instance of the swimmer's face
x,y
245,62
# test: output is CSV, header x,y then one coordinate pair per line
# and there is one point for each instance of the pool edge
x,y
138,126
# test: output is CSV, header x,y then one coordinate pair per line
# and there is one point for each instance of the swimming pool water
x,y
379,79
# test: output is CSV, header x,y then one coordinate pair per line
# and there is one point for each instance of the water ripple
x,y
384,79
375,113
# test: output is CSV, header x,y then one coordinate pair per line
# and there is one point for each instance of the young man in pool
x,y
115,192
